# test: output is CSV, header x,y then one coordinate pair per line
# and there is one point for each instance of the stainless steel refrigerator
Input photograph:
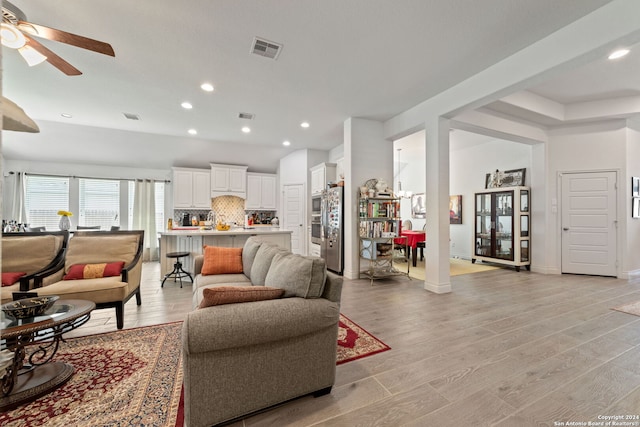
x,y
331,247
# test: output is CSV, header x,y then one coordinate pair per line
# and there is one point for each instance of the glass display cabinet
x,y
502,226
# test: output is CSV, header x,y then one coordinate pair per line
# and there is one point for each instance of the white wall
x,y
632,260
410,171
471,158
366,155
591,147
469,167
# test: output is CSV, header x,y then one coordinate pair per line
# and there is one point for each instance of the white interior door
x,y
589,223
293,216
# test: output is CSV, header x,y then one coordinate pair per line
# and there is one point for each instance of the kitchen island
x,y
192,239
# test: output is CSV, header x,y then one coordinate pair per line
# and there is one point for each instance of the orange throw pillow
x,y
219,260
234,294
94,271
9,279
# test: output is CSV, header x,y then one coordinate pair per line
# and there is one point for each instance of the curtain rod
x,y
166,181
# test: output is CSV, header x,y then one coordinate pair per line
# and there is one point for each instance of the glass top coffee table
x,y
30,344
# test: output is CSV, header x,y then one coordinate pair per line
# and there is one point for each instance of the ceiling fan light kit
x,y
31,56
11,36
16,33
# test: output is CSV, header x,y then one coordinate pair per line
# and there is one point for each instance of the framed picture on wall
x,y
455,209
635,207
418,208
635,186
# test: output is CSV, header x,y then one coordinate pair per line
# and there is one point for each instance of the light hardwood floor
x,y
503,349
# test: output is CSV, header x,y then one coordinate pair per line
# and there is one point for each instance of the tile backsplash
x,y
229,208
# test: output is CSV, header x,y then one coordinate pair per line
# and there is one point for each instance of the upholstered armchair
x,y
27,255
104,267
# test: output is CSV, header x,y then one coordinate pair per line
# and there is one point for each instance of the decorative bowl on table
x,y
29,307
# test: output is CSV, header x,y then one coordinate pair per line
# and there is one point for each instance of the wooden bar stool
x,y
177,273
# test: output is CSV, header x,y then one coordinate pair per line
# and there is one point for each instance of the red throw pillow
x,y
9,279
234,294
94,271
219,260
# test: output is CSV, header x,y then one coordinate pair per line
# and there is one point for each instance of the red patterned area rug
x,y
131,378
355,343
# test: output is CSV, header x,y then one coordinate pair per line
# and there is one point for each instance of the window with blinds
x,y
45,196
99,201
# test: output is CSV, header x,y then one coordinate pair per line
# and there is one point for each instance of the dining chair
x,y
406,225
420,245
88,227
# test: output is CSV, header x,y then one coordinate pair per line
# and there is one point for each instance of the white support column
x,y
437,277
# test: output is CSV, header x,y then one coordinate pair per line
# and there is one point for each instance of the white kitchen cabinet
x,y
191,188
261,191
228,180
320,175
191,244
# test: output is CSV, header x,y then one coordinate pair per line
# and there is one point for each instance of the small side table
x,y
35,340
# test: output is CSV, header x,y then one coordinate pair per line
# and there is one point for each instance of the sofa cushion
x,y
94,271
30,253
9,279
102,290
83,249
249,251
218,260
236,294
216,279
262,262
298,275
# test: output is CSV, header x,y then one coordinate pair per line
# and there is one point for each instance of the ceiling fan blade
x,y
54,59
65,37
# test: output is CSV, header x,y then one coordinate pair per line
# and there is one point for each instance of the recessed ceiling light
x,y
187,105
192,132
304,124
286,143
66,115
619,53
246,129
207,87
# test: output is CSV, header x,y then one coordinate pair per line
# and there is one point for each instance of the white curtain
x,y
144,218
18,210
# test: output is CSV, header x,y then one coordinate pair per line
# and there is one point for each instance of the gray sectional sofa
x,y
244,357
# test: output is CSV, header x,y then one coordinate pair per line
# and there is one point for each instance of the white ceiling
x,y
355,58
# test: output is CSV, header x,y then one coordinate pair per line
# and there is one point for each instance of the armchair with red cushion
x,y
29,256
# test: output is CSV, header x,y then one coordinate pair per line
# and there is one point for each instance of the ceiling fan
x,y
17,33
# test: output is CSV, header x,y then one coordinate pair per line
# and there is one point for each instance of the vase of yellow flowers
x,y
65,222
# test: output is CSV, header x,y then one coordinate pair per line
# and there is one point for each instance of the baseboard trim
x,y
438,288
545,270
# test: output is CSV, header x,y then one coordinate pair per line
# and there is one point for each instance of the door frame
x,y
620,228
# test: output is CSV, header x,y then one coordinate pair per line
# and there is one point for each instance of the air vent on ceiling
x,y
247,116
131,116
265,48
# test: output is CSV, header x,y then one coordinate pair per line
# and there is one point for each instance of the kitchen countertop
x,y
196,231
